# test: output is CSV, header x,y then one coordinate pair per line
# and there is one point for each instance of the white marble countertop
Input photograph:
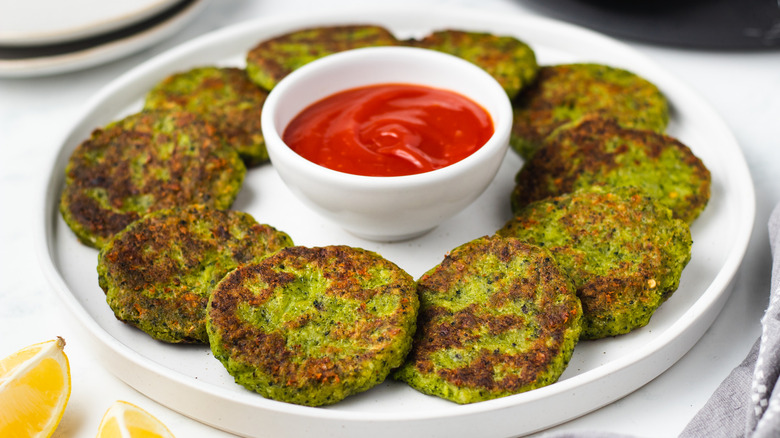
x,y
35,114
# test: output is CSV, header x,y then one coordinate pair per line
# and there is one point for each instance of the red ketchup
x,y
389,130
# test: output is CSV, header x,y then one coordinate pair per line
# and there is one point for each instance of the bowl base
x,y
389,238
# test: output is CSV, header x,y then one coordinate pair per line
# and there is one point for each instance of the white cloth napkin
x,y
747,403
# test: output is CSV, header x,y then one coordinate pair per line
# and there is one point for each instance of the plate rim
x,y
708,303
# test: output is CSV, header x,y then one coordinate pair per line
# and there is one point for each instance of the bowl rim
x,y
501,116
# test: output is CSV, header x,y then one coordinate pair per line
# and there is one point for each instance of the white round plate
x,y
38,22
39,62
190,380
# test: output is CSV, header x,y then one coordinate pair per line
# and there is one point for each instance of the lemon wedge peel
x,y
126,420
35,386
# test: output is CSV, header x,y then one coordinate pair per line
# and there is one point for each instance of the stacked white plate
x,y
44,37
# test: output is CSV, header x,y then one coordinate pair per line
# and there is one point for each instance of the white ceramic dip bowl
x,y
386,208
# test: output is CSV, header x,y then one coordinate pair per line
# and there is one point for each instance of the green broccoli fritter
x,y
224,97
147,161
271,60
623,251
159,272
565,93
313,325
497,317
511,61
600,152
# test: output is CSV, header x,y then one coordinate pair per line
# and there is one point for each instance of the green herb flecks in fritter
x,y
509,60
159,272
497,317
599,152
271,60
565,93
312,326
145,162
624,252
224,97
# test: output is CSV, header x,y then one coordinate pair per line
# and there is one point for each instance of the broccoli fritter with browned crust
x,y
510,61
147,161
623,251
271,60
565,93
224,97
313,325
600,152
159,272
497,317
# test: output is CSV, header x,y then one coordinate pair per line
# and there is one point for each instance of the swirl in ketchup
x,y
389,130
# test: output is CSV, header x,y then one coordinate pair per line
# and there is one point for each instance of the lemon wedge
x,y
34,390
126,420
